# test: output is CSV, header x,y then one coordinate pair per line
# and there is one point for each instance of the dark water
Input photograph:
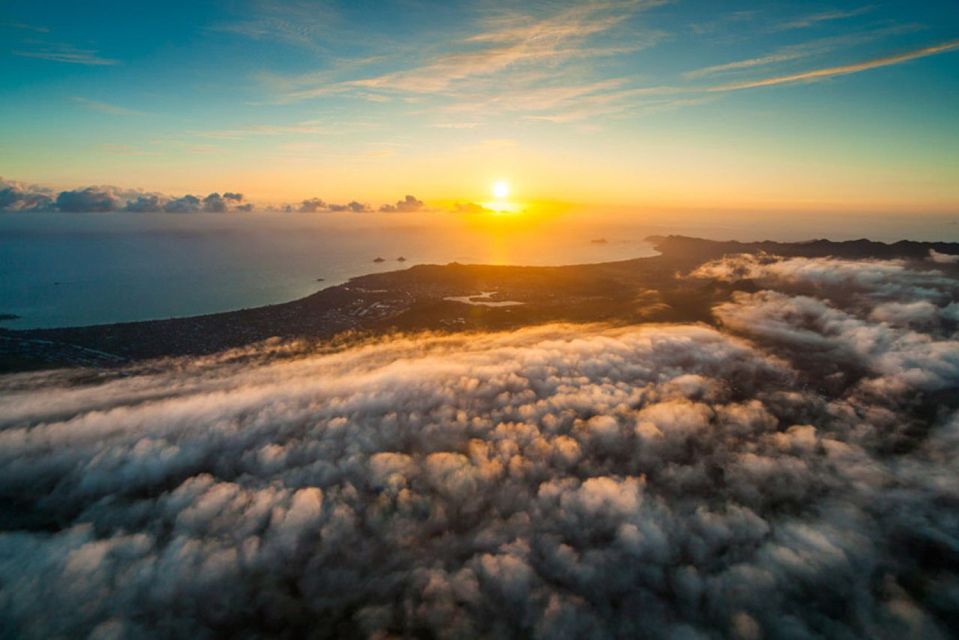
x,y
76,269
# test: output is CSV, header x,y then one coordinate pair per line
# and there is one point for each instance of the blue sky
x,y
845,104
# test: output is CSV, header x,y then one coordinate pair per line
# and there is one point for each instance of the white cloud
x,y
564,480
943,258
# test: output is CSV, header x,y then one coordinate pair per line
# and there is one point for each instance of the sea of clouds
x,y
792,472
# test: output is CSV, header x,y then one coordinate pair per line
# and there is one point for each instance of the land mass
x,y
453,297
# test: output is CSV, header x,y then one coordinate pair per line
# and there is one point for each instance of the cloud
x,y
215,203
510,40
185,204
145,204
104,107
880,316
817,47
308,127
723,21
25,27
532,59
297,23
556,63
783,55
312,205
66,53
905,313
842,70
212,203
407,204
91,199
457,125
816,19
751,16
899,358
858,281
657,481
470,207
20,196
943,258
354,206
537,61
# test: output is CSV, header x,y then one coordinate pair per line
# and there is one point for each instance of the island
x,y
452,297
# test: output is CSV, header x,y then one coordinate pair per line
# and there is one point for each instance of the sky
x,y
688,103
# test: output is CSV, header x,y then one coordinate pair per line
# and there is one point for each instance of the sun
x,y
500,188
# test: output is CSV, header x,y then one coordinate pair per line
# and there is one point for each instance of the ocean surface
x,y
78,269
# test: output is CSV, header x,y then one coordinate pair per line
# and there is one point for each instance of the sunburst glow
x,y
501,189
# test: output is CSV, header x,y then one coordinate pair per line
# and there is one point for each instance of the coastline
x,y
435,298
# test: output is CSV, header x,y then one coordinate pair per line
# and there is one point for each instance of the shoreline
x,y
431,297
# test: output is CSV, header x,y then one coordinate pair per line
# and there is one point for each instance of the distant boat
x,y
599,241
319,279
401,259
379,259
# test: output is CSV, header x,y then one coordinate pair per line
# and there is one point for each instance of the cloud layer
x,y
790,475
18,196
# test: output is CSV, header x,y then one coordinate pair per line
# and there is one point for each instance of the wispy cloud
x,y
812,20
783,55
664,97
126,150
549,64
761,21
66,53
523,95
736,17
519,40
302,24
830,72
105,107
545,47
818,47
634,102
456,125
25,27
306,127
